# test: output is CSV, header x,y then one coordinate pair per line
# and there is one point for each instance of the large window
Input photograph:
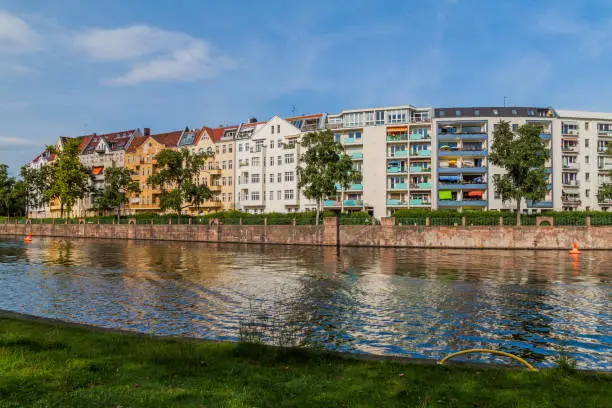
x,y
397,116
288,176
353,119
255,178
289,158
289,194
255,195
255,161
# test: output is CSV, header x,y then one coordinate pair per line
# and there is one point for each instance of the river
x,y
421,303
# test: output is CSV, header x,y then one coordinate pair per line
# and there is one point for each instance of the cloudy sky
x,y
68,67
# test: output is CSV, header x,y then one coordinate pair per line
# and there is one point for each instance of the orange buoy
x,y
574,250
28,238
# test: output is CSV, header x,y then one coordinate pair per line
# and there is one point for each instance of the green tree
x,y
523,155
605,191
323,165
178,179
17,201
36,181
118,183
6,187
69,179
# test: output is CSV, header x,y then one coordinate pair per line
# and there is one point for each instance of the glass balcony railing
x,y
420,153
397,138
357,155
423,185
419,201
356,186
394,202
395,169
398,153
418,136
331,203
419,169
462,203
399,186
353,203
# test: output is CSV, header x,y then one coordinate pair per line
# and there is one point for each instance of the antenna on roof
x,y
505,99
292,110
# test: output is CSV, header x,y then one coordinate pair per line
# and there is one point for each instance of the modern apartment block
x,y
392,148
463,174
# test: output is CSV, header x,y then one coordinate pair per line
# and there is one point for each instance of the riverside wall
x,y
330,233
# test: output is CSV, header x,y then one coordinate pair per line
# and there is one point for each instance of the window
x,y
223,165
271,195
255,178
288,176
495,112
514,112
289,158
239,147
586,125
224,148
217,149
587,193
496,195
279,160
230,164
380,117
229,181
279,178
476,112
272,129
255,195
255,161
357,135
288,194
223,180
587,176
586,142
586,159
271,161
530,112
442,113
229,196
277,128
279,195
246,147
271,144
458,112
514,127
223,196
271,177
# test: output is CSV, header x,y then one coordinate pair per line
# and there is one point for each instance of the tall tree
x,y
17,201
523,155
178,179
605,190
36,181
6,186
323,165
118,183
69,178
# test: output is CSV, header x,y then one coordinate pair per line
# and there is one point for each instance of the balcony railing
x,y
571,167
462,136
462,186
572,202
331,203
356,187
419,201
462,203
570,183
357,155
398,186
353,203
398,153
395,202
418,136
462,152
469,170
420,153
420,169
397,138
394,169
570,149
420,186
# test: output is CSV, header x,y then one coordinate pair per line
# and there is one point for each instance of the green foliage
x,y
68,178
605,191
178,179
52,365
118,183
36,183
523,155
12,194
323,165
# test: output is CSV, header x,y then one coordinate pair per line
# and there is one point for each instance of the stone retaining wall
x,y
385,235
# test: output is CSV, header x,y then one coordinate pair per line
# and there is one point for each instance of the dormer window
x,y
495,112
514,112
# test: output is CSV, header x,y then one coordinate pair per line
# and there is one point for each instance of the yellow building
x,y
140,159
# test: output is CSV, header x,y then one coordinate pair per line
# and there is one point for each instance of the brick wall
x,y
386,235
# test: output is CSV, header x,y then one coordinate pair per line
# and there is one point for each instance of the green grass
x,y
46,365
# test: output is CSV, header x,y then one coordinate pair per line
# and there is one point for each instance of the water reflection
x,y
423,303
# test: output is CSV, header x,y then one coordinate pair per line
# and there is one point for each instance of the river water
x,y
387,301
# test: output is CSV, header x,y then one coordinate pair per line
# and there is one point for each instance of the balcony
x,y
571,202
463,170
395,170
398,186
211,204
546,136
397,138
606,202
396,203
356,187
603,151
352,140
331,203
357,155
213,171
398,153
420,169
462,203
540,204
462,136
452,153
419,201
420,153
418,136
571,167
214,188
570,149
570,184
462,186
420,186
604,167
353,203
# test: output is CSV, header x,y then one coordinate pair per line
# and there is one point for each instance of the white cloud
x,y
593,37
16,143
152,54
16,36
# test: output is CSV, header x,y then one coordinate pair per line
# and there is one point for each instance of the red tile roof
x,y
316,115
136,143
117,141
169,139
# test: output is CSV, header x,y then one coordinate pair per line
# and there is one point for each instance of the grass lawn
x,y
46,365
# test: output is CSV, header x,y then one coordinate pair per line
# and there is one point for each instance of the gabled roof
x,y
189,137
136,143
169,139
216,134
116,141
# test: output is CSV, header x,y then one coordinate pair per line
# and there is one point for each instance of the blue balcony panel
x,y
462,136
399,186
467,170
356,187
464,203
546,136
357,155
540,204
331,203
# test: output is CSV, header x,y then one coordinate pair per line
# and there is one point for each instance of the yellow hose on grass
x,y
496,352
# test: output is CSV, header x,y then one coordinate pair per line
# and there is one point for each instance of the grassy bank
x,y
47,365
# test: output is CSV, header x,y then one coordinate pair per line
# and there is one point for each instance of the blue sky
x,y
68,66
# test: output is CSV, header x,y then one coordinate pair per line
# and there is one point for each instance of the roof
x,y
116,141
136,143
492,111
189,137
342,112
313,116
562,113
97,170
169,139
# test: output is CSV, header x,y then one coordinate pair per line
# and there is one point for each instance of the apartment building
x,y
42,210
585,164
391,147
267,155
464,176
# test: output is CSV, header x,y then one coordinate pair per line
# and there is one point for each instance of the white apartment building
x,y
391,146
267,157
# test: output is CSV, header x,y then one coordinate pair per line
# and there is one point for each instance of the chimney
x,y
147,131
252,120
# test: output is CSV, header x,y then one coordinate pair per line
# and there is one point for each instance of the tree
x,y
6,187
179,171
17,201
523,155
36,182
118,183
323,165
69,179
605,191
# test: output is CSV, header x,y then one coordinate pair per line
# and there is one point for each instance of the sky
x,y
71,67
